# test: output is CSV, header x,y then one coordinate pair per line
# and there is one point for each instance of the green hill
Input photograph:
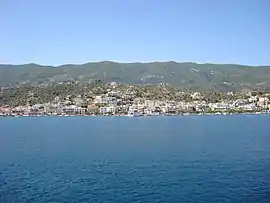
x,y
221,77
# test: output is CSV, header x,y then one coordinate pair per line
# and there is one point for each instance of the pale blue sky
x,y
77,31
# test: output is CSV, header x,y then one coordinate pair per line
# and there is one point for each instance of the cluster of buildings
x,y
116,102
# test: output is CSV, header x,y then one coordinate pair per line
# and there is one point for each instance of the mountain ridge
x,y
133,62
196,76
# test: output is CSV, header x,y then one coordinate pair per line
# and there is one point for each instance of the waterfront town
x,y
125,100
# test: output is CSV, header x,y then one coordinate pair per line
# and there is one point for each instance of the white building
x,y
107,110
263,101
253,99
73,110
196,95
100,100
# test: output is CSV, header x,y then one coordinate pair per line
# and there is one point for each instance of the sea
x,y
162,159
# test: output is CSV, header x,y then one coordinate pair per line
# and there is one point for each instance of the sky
x,y
56,32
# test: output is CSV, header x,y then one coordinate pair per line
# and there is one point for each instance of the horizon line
x,y
132,62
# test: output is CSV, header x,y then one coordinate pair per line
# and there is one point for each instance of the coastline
x,y
160,115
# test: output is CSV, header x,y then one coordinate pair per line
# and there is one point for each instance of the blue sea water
x,y
145,159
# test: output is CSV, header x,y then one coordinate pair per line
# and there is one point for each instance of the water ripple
x,y
147,165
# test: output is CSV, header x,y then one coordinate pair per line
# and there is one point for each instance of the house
x,y
113,84
5,109
262,101
253,99
111,109
147,111
196,95
71,110
219,107
19,110
132,108
107,110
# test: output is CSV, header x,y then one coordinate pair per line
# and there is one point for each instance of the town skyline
x,y
97,98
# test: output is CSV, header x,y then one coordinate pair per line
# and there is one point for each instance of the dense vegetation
x,y
27,94
198,77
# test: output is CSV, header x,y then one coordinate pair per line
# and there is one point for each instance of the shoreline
x,y
160,115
